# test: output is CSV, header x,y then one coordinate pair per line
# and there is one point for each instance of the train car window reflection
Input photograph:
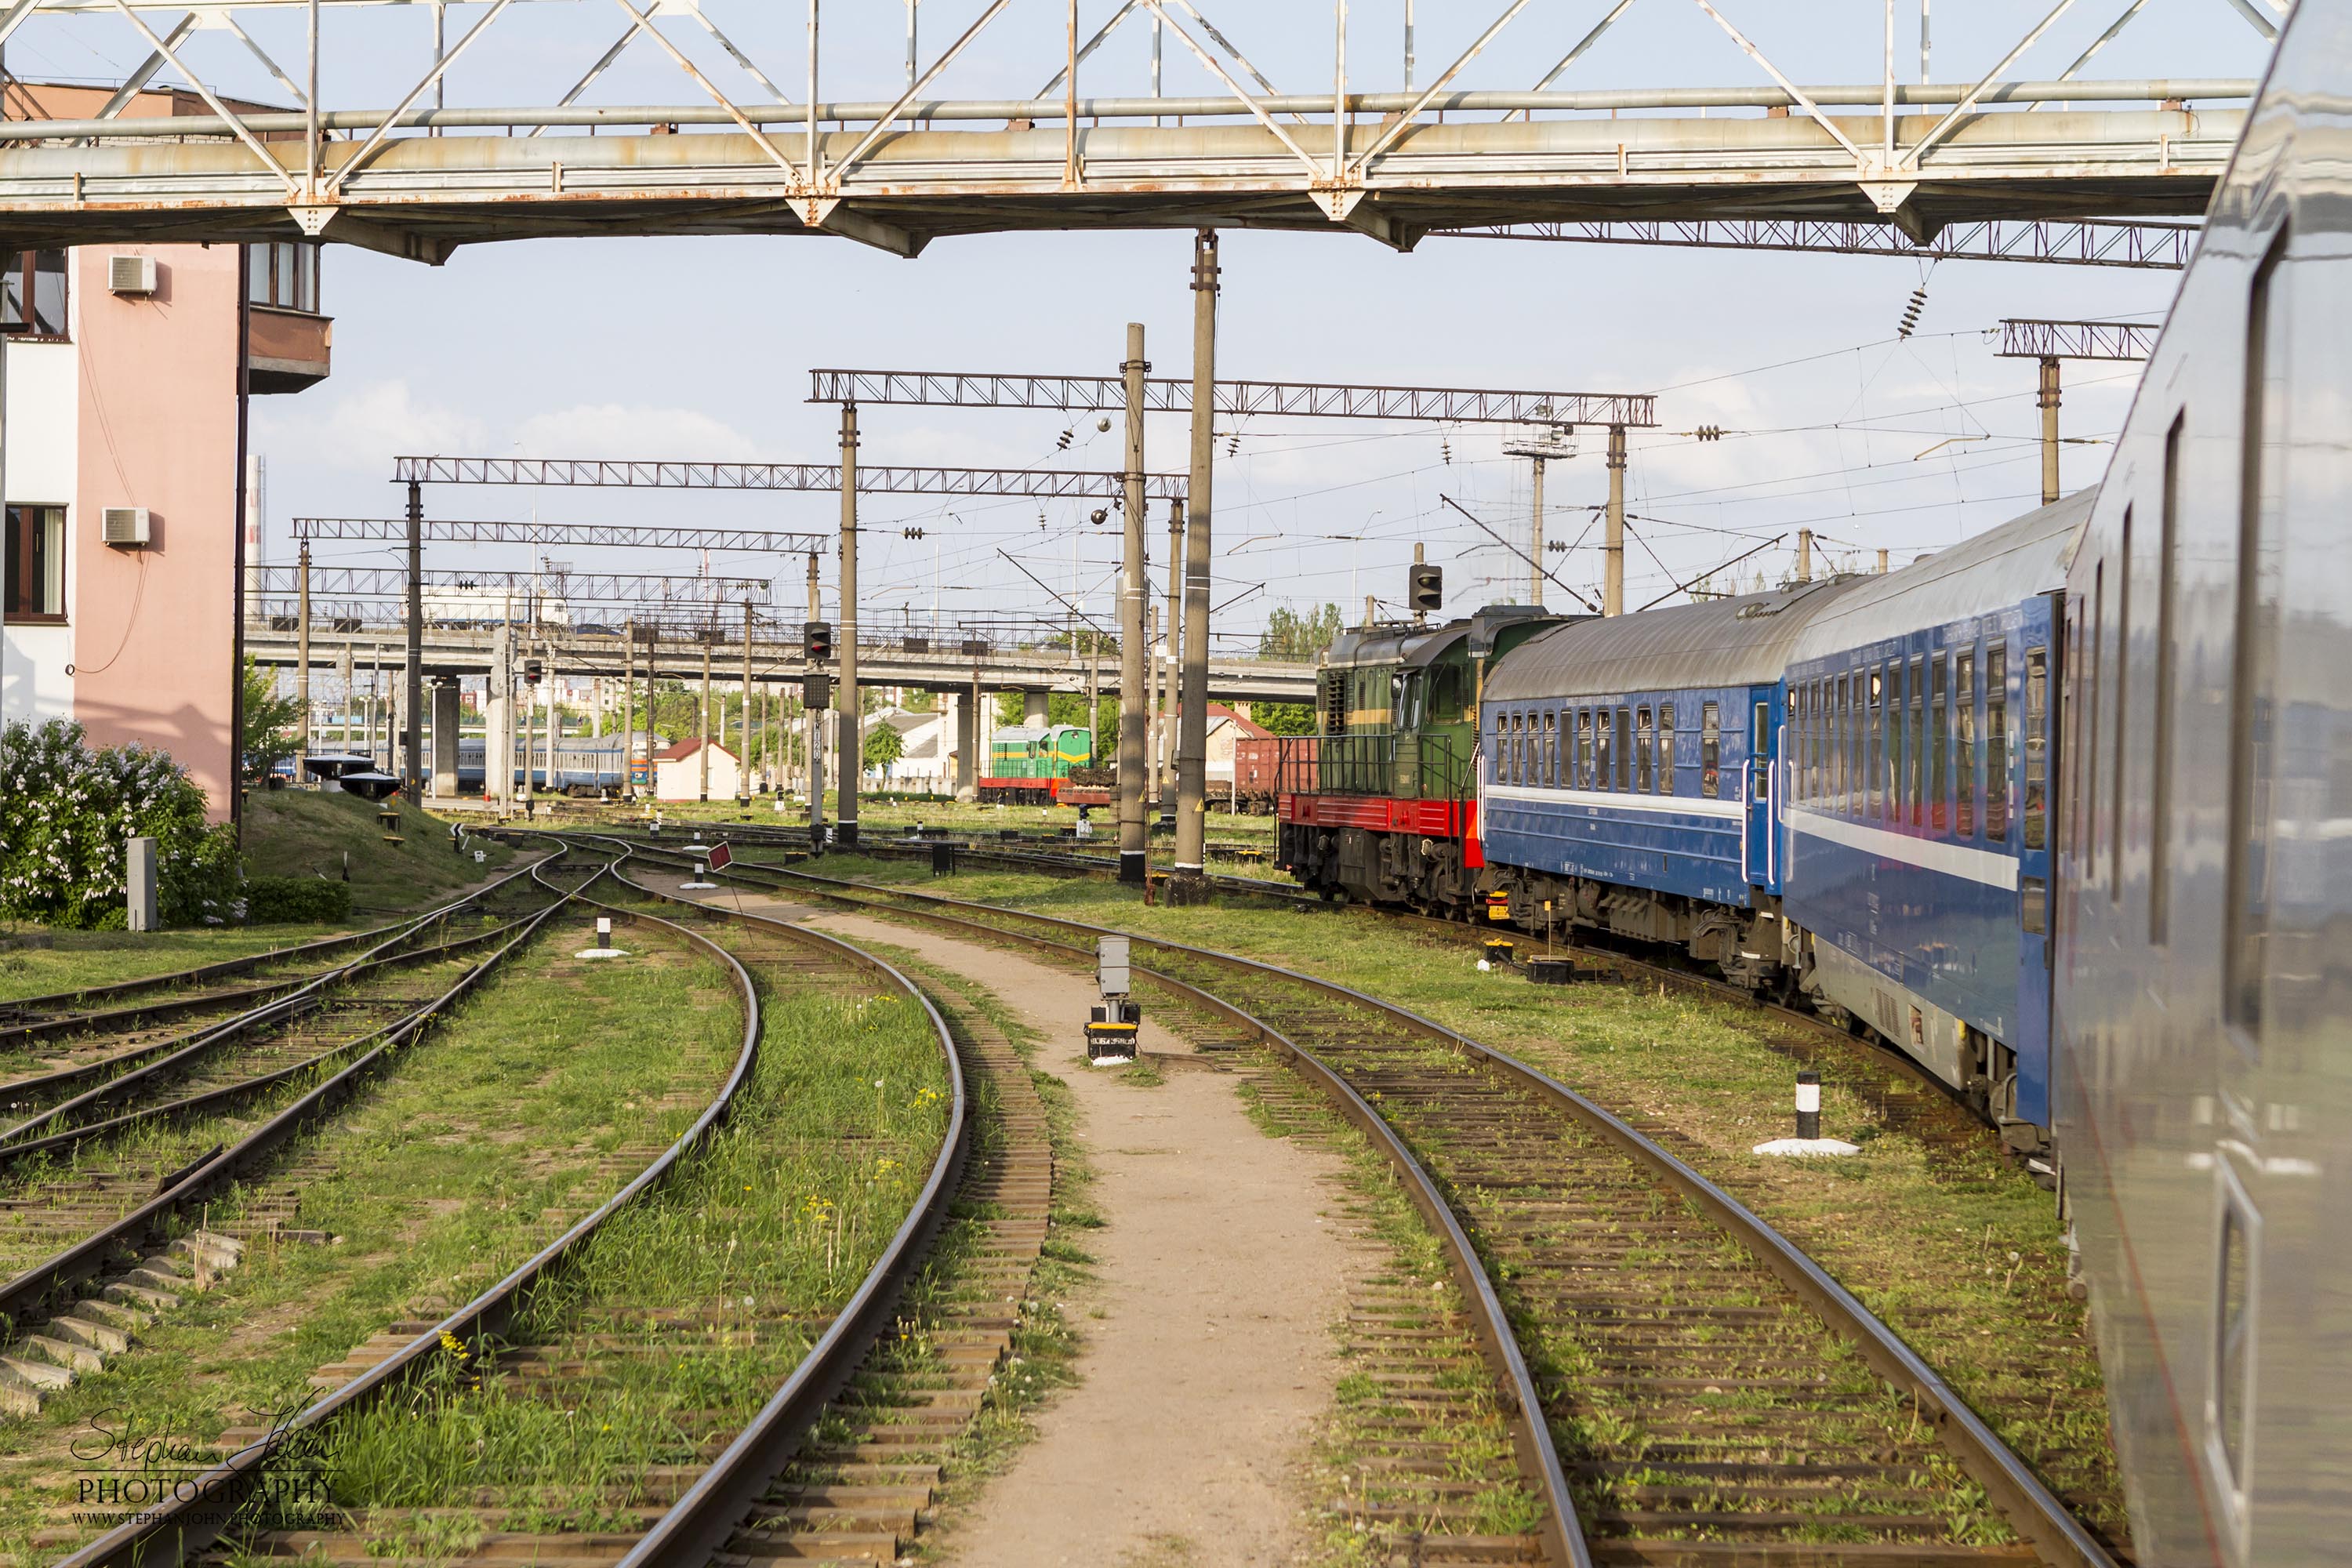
x,y
2252,715
1625,746
1665,748
1551,751
2086,853
1642,747
1895,740
1997,742
1582,778
2233,1342
1963,701
1710,750
1605,756
2159,795
1940,746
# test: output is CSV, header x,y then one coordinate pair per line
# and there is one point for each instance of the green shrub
x,y
66,812
297,900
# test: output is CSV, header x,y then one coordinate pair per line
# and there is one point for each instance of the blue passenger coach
x,y
1626,769
1917,798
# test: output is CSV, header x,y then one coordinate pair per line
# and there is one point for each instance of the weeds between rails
x,y
1831,1463
74,1218
479,1410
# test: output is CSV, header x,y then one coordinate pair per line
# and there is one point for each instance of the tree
x,y
270,723
884,745
1285,717
1289,634
66,811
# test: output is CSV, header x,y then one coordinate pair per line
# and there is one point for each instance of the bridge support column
x,y
1187,883
1613,551
853,759
444,737
967,705
2049,402
412,683
1032,709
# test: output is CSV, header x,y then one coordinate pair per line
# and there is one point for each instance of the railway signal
x,y
818,637
1113,1029
1426,589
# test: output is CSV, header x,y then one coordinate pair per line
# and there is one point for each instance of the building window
x,y
35,563
38,276
1665,748
283,276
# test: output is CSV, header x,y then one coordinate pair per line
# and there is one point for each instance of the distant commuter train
x,y
2063,811
1032,762
586,766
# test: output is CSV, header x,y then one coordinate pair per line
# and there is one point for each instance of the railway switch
x,y
1113,1029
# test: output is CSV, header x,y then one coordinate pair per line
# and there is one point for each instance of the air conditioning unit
x,y
131,274
124,525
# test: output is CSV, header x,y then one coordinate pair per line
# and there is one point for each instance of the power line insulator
x,y
1918,302
910,532
1062,442
1710,432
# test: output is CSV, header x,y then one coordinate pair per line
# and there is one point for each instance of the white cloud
x,y
363,428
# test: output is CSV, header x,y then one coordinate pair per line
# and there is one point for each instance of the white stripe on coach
x,y
1962,860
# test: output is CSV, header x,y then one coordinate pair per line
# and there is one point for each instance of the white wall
x,y
42,466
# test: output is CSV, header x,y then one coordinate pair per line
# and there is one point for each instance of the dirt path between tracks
x,y
1185,1442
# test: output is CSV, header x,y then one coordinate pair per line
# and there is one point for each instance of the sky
x,y
700,347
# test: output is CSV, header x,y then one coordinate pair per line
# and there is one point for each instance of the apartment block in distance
x,y
128,368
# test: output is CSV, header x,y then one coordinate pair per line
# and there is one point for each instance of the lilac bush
x,y
66,811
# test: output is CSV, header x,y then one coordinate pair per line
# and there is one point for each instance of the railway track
x,y
1709,1394
95,1233
884,1381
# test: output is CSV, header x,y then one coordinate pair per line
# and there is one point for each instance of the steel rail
x,y
2030,1506
1537,1454
26,1293
200,1511
2151,90
86,1018
692,1533
14,1147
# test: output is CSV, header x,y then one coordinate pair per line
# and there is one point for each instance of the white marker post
x,y
1809,1139
604,948
139,881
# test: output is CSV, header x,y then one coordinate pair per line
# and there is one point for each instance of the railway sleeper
x,y
37,1366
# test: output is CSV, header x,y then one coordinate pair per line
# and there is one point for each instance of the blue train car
x,y
1625,774
1916,769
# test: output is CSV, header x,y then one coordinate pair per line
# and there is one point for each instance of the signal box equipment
x,y
1426,589
816,692
1112,1031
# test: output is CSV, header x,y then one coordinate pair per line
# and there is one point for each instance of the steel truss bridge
x,y
900,161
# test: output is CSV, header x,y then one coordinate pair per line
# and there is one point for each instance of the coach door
x,y
1763,860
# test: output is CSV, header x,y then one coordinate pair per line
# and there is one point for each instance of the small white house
x,y
678,772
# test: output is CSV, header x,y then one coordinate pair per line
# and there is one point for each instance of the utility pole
x,y
554,712
1612,583
1535,550
743,763
1192,704
1133,842
814,770
1172,657
845,809
703,790
530,722
350,695
629,711
302,655
412,772
2049,404
1154,730
1804,555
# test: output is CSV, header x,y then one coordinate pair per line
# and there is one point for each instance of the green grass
x,y
1955,1248
295,833
444,1174
35,961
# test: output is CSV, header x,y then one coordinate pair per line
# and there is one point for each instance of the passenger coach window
x,y
2254,663
1874,744
1710,750
1964,698
1642,750
2037,747
1918,740
1551,751
1584,748
2123,709
1624,745
1997,743
1666,747
1605,753
1939,742
2159,813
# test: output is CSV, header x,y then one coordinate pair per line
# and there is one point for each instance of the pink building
x,y
125,425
